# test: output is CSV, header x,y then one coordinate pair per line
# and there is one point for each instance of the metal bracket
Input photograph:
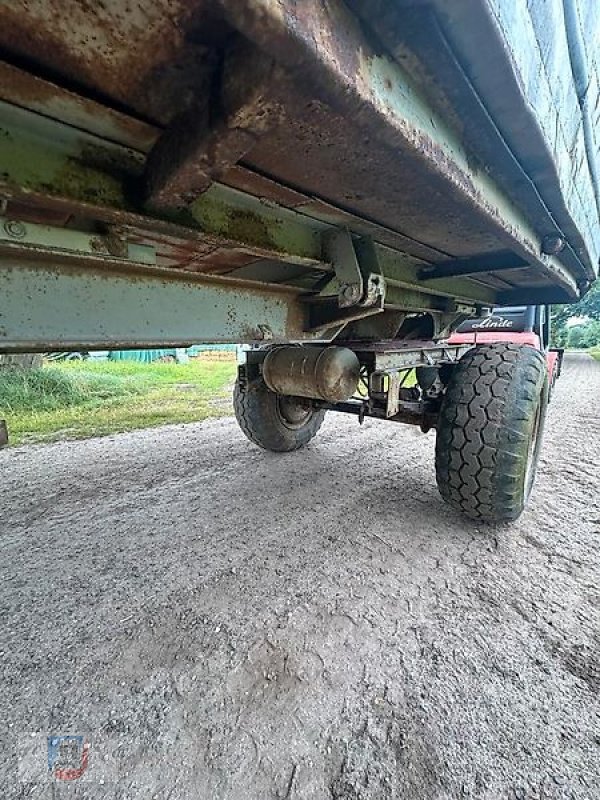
x,y
393,393
361,290
338,248
392,361
356,268
68,243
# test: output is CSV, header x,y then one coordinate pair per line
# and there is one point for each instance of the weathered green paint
x,y
42,155
92,306
402,274
46,308
226,212
66,240
48,157
395,96
242,217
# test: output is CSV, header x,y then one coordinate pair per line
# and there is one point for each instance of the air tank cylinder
x,y
320,373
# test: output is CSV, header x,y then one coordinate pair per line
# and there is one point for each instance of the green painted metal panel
x,y
44,309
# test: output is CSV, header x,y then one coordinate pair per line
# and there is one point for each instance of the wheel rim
x,y
294,412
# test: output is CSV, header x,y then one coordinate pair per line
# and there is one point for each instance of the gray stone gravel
x,y
222,622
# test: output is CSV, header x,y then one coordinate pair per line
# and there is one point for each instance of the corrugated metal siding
x,y
535,35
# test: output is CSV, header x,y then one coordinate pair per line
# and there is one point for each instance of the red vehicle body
x,y
528,325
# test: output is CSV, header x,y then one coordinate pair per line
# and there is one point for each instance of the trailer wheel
x,y
273,421
490,431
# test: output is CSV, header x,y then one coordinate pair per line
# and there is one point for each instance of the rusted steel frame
x,y
324,45
140,226
426,418
98,304
327,314
397,355
245,179
426,29
491,262
43,157
388,243
199,149
228,212
16,254
141,229
233,214
252,230
450,291
43,97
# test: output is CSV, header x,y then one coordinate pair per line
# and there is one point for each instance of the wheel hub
x,y
294,411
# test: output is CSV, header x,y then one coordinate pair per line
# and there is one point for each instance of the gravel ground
x,y
222,622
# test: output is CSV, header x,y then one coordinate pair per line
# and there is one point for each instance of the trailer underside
x,y
276,171
256,171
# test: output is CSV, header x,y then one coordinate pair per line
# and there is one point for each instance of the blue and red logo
x,y
67,757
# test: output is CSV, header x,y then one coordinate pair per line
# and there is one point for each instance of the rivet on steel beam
x,y
551,245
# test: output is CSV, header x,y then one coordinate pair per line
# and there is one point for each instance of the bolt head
x,y
351,292
551,245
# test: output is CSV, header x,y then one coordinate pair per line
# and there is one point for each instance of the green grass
x,y
595,353
78,399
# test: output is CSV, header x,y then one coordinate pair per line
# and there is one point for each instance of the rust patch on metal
x,y
41,216
348,143
140,54
30,92
297,34
200,147
177,246
352,147
243,178
260,186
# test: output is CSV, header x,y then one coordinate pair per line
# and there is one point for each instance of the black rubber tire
x,y
261,416
490,431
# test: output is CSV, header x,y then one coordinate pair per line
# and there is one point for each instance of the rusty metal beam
x,y
378,154
55,167
43,97
324,46
180,238
46,308
490,262
200,147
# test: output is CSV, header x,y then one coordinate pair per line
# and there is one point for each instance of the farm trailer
x,y
344,183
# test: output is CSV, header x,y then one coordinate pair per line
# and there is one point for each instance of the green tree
x,y
591,336
576,336
588,306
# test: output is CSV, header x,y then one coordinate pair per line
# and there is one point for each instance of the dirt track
x,y
228,623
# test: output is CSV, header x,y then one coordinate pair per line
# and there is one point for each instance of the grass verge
x,y
78,399
595,353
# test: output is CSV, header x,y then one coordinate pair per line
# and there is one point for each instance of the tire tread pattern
x,y
255,407
485,428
